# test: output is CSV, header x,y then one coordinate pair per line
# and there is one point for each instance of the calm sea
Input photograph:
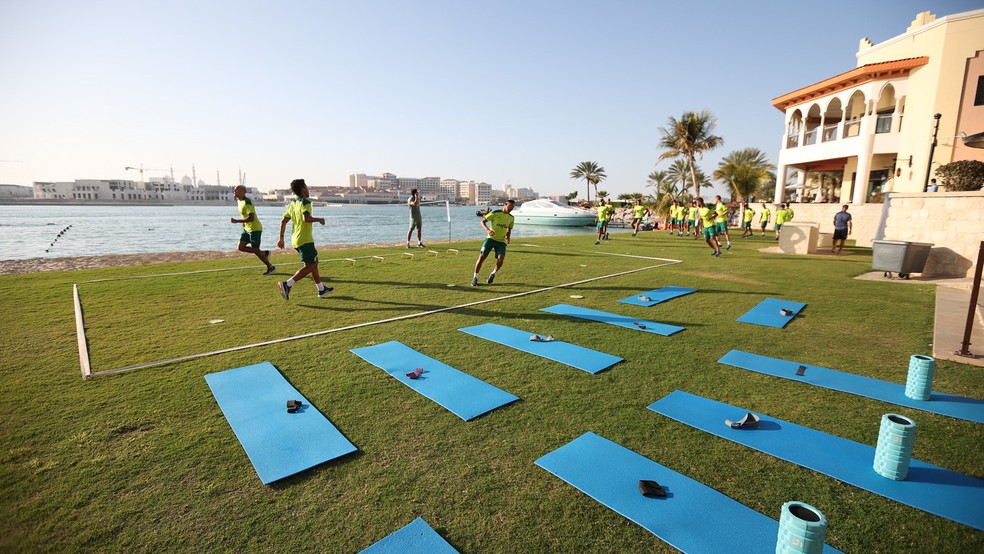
x,y
28,231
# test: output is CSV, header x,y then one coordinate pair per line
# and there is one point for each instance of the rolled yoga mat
x,y
463,395
692,517
279,444
950,405
929,488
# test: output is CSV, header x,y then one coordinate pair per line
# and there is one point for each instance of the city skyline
x,y
516,93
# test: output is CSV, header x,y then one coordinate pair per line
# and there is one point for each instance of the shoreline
x,y
73,263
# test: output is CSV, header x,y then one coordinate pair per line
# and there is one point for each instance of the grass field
x,y
144,459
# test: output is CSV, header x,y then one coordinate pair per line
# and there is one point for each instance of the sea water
x,y
36,231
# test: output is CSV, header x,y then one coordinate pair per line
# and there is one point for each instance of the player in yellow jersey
x,y
721,221
707,216
302,239
638,212
249,240
498,225
747,215
764,217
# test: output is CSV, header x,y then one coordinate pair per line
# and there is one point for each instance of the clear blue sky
x,y
502,91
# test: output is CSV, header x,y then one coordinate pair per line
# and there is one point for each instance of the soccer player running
x,y
416,221
602,223
638,212
498,224
302,239
249,240
706,216
691,217
764,217
721,221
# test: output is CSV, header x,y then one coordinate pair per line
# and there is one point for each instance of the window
x,y
979,97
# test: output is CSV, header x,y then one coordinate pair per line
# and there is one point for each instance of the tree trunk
x,y
693,176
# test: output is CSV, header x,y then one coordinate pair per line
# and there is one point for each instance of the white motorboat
x,y
549,212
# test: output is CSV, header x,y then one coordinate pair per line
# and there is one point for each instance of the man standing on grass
x,y
301,238
602,223
842,228
416,222
747,215
721,221
498,225
249,240
691,220
764,217
638,212
780,218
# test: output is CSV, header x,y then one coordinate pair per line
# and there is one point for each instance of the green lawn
x,y
145,460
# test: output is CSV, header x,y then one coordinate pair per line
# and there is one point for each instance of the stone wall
x,y
953,222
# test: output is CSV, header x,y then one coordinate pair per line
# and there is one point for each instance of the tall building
x,y
875,125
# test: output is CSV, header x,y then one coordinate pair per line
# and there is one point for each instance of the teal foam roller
x,y
896,437
801,529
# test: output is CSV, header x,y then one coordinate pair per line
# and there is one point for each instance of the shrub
x,y
962,175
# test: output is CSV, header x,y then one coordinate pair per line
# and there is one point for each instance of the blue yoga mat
x,y
767,313
944,404
614,319
929,488
692,517
657,296
465,396
254,401
414,537
586,359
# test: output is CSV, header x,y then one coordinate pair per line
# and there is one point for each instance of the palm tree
x,y
679,172
591,172
665,191
745,171
689,137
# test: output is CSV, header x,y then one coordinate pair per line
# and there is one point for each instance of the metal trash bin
x,y
897,256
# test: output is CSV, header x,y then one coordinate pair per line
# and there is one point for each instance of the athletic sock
x,y
320,286
475,276
290,282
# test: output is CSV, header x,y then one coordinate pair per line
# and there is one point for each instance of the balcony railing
x,y
830,132
810,137
792,141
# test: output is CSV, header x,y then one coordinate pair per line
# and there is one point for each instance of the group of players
x,y
698,219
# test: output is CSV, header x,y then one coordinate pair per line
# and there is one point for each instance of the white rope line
x,y
80,334
367,324
222,269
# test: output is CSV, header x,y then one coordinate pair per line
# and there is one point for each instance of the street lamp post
x,y
932,149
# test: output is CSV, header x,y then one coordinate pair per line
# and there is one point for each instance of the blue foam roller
x,y
692,517
768,313
415,537
950,405
254,401
614,319
573,355
465,396
929,488
657,296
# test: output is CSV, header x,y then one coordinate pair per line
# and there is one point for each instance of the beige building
x,y
875,125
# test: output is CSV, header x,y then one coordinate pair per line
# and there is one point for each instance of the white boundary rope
x,y
84,355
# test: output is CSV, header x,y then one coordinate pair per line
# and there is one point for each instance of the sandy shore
x,y
37,265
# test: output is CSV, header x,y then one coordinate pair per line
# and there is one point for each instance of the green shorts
x,y
748,224
416,223
309,254
690,223
499,247
710,232
764,223
778,226
722,227
636,219
600,225
252,238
